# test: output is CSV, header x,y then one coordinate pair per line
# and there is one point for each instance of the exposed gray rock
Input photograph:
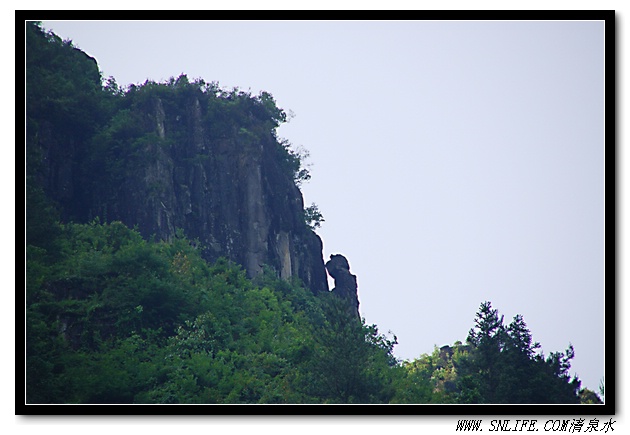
x,y
232,195
345,282
230,192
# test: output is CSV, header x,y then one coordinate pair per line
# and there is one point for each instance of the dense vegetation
x,y
112,317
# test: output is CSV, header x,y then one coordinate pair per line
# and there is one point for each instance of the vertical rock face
x,y
168,157
229,193
345,282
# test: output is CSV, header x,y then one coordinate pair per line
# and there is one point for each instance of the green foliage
x,y
294,160
313,217
509,369
117,319
62,83
436,378
506,365
498,365
350,361
588,397
114,318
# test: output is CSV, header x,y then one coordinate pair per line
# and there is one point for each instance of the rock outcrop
x,y
177,158
345,282
230,193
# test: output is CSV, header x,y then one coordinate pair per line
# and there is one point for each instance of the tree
x,y
519,338
313,217
588,397
351,362
488,338
507,368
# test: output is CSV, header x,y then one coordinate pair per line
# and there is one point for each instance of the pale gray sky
x,y
454,161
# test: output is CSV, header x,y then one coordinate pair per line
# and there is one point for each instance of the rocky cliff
x,y
171,158
229,191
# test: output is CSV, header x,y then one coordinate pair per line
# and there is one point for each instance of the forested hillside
x,y
170,259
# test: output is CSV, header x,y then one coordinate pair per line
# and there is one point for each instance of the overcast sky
x,y
455,162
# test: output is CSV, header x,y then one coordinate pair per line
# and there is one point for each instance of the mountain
x,y
170,259
167,158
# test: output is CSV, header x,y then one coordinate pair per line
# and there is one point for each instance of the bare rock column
x,y
345,282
